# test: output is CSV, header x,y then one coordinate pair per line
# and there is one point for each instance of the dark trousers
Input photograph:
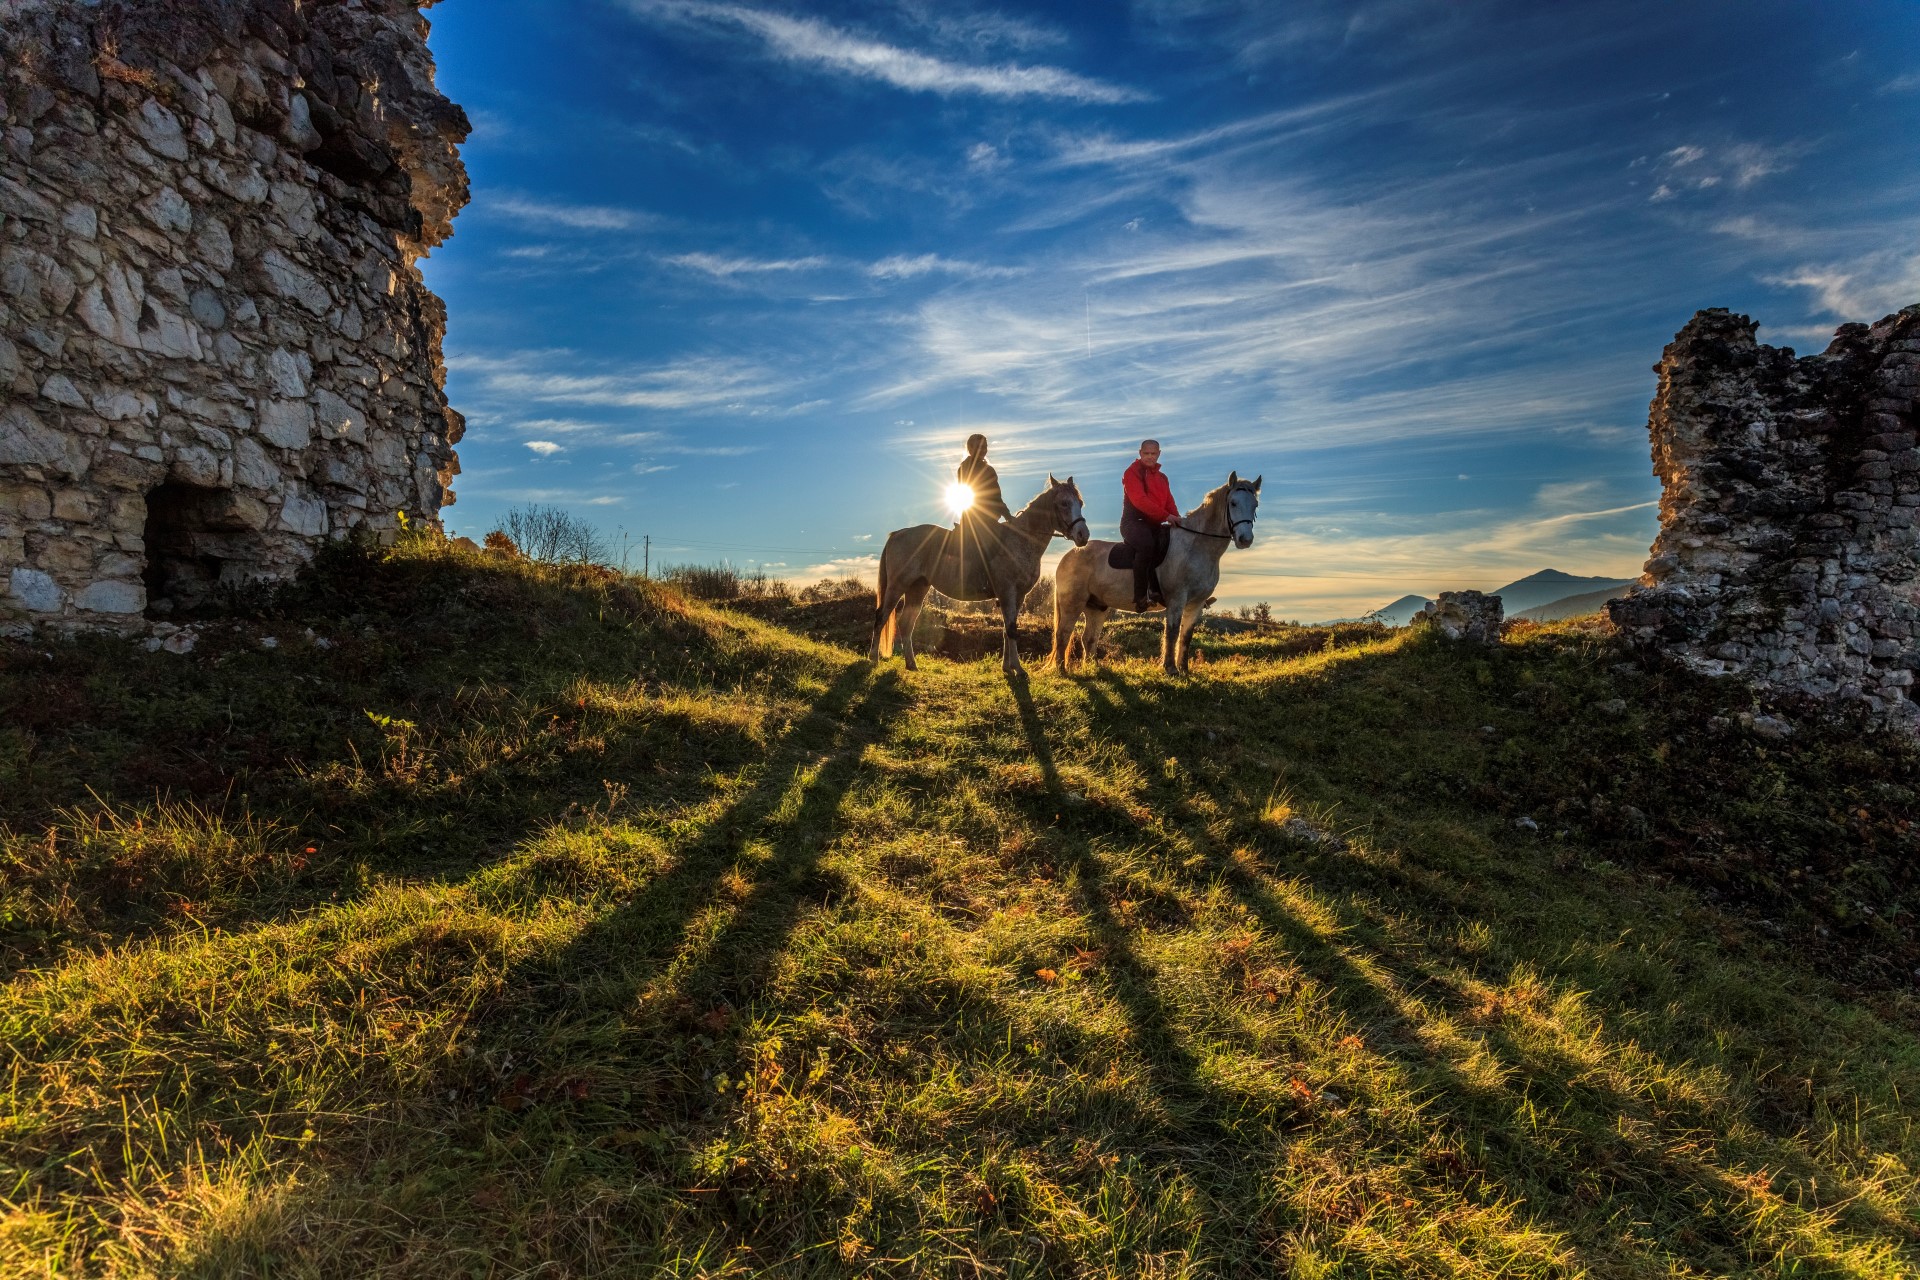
x,y
1149,543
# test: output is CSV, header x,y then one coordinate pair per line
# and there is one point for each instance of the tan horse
x,y
979,560
1085,581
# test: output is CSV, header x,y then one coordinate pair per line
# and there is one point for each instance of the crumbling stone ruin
x,y
216,351
1473,616
1788,542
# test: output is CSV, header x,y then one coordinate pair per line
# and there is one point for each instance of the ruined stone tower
x,y
1789,547
216,351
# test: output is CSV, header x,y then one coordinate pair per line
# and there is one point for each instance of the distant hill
x,y
1548,589
1574,606
1401,611
1549,586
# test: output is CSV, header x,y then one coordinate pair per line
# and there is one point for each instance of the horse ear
x,y
1233,477
1069,482
1051,482
1256,484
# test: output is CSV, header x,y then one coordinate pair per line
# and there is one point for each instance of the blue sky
x,y
744,276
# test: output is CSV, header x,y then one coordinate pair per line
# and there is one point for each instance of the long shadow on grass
x,y
1696,1203
689,948
458,773
1175,1071
617,1031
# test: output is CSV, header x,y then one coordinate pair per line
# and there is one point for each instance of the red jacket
x,y
1149,493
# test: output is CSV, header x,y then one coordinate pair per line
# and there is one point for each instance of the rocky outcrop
x,y
216,351
1788,543
1473,616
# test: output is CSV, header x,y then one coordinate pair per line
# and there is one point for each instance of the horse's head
x,y
1243,500
1069,520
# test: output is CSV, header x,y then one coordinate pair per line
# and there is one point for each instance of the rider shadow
x,y
1192,1108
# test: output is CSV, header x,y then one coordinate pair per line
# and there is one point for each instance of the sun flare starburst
x,y
959,497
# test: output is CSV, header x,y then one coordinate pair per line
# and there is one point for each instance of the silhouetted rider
x,y
983,480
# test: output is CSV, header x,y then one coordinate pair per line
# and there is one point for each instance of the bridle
x,y
1067,532
1233,527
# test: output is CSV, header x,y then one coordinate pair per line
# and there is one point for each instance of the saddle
x,y
963,557
1120,555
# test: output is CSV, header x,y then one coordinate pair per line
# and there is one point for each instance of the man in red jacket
x,y
1146,514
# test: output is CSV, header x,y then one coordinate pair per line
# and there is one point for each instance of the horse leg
x,y
1090,639
1170,636
1010,646
1189,618
1066,616
910,601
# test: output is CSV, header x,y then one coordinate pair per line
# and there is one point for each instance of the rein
x,y
1228,536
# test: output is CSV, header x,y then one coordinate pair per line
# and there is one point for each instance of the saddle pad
x,y
1120,557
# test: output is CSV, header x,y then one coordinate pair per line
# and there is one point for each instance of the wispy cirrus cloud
x,y
697,383
897,266
812,43
1864,289
910,267
577,217
1692,167
724,267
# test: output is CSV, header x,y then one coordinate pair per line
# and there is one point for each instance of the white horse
x,y
1087,581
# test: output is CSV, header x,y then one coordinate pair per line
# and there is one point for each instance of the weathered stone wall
x,y
216,351
1789,547
1464,615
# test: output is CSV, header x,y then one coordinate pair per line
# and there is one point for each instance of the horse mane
x,y
1041,496
1218,495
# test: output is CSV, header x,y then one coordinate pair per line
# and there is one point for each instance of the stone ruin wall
x,y
1789,547
216,351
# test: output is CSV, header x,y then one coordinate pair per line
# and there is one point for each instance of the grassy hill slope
x,y
543,922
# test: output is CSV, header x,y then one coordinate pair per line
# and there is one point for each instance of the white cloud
x,y
714,264
812,43
840,567
545,448
902,267
694,383
1908,83
579,217
1862,290
985,156
1740,163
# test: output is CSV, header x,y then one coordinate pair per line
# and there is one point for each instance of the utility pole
x,y
646,556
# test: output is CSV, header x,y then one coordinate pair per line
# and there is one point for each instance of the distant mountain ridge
x,y
1574,606
1542,596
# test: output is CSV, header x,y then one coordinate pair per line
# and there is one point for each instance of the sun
x,y
959,497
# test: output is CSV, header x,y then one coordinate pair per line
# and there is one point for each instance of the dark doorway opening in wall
x,y
200,546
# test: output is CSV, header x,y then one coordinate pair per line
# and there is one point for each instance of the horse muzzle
x,y
1079,533
1243,541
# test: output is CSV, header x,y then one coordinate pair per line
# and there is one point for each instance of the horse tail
x,y
883,625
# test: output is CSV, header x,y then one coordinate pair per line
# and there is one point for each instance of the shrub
x,y
555,536
828,589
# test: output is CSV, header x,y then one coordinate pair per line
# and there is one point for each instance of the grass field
x,y
544,923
